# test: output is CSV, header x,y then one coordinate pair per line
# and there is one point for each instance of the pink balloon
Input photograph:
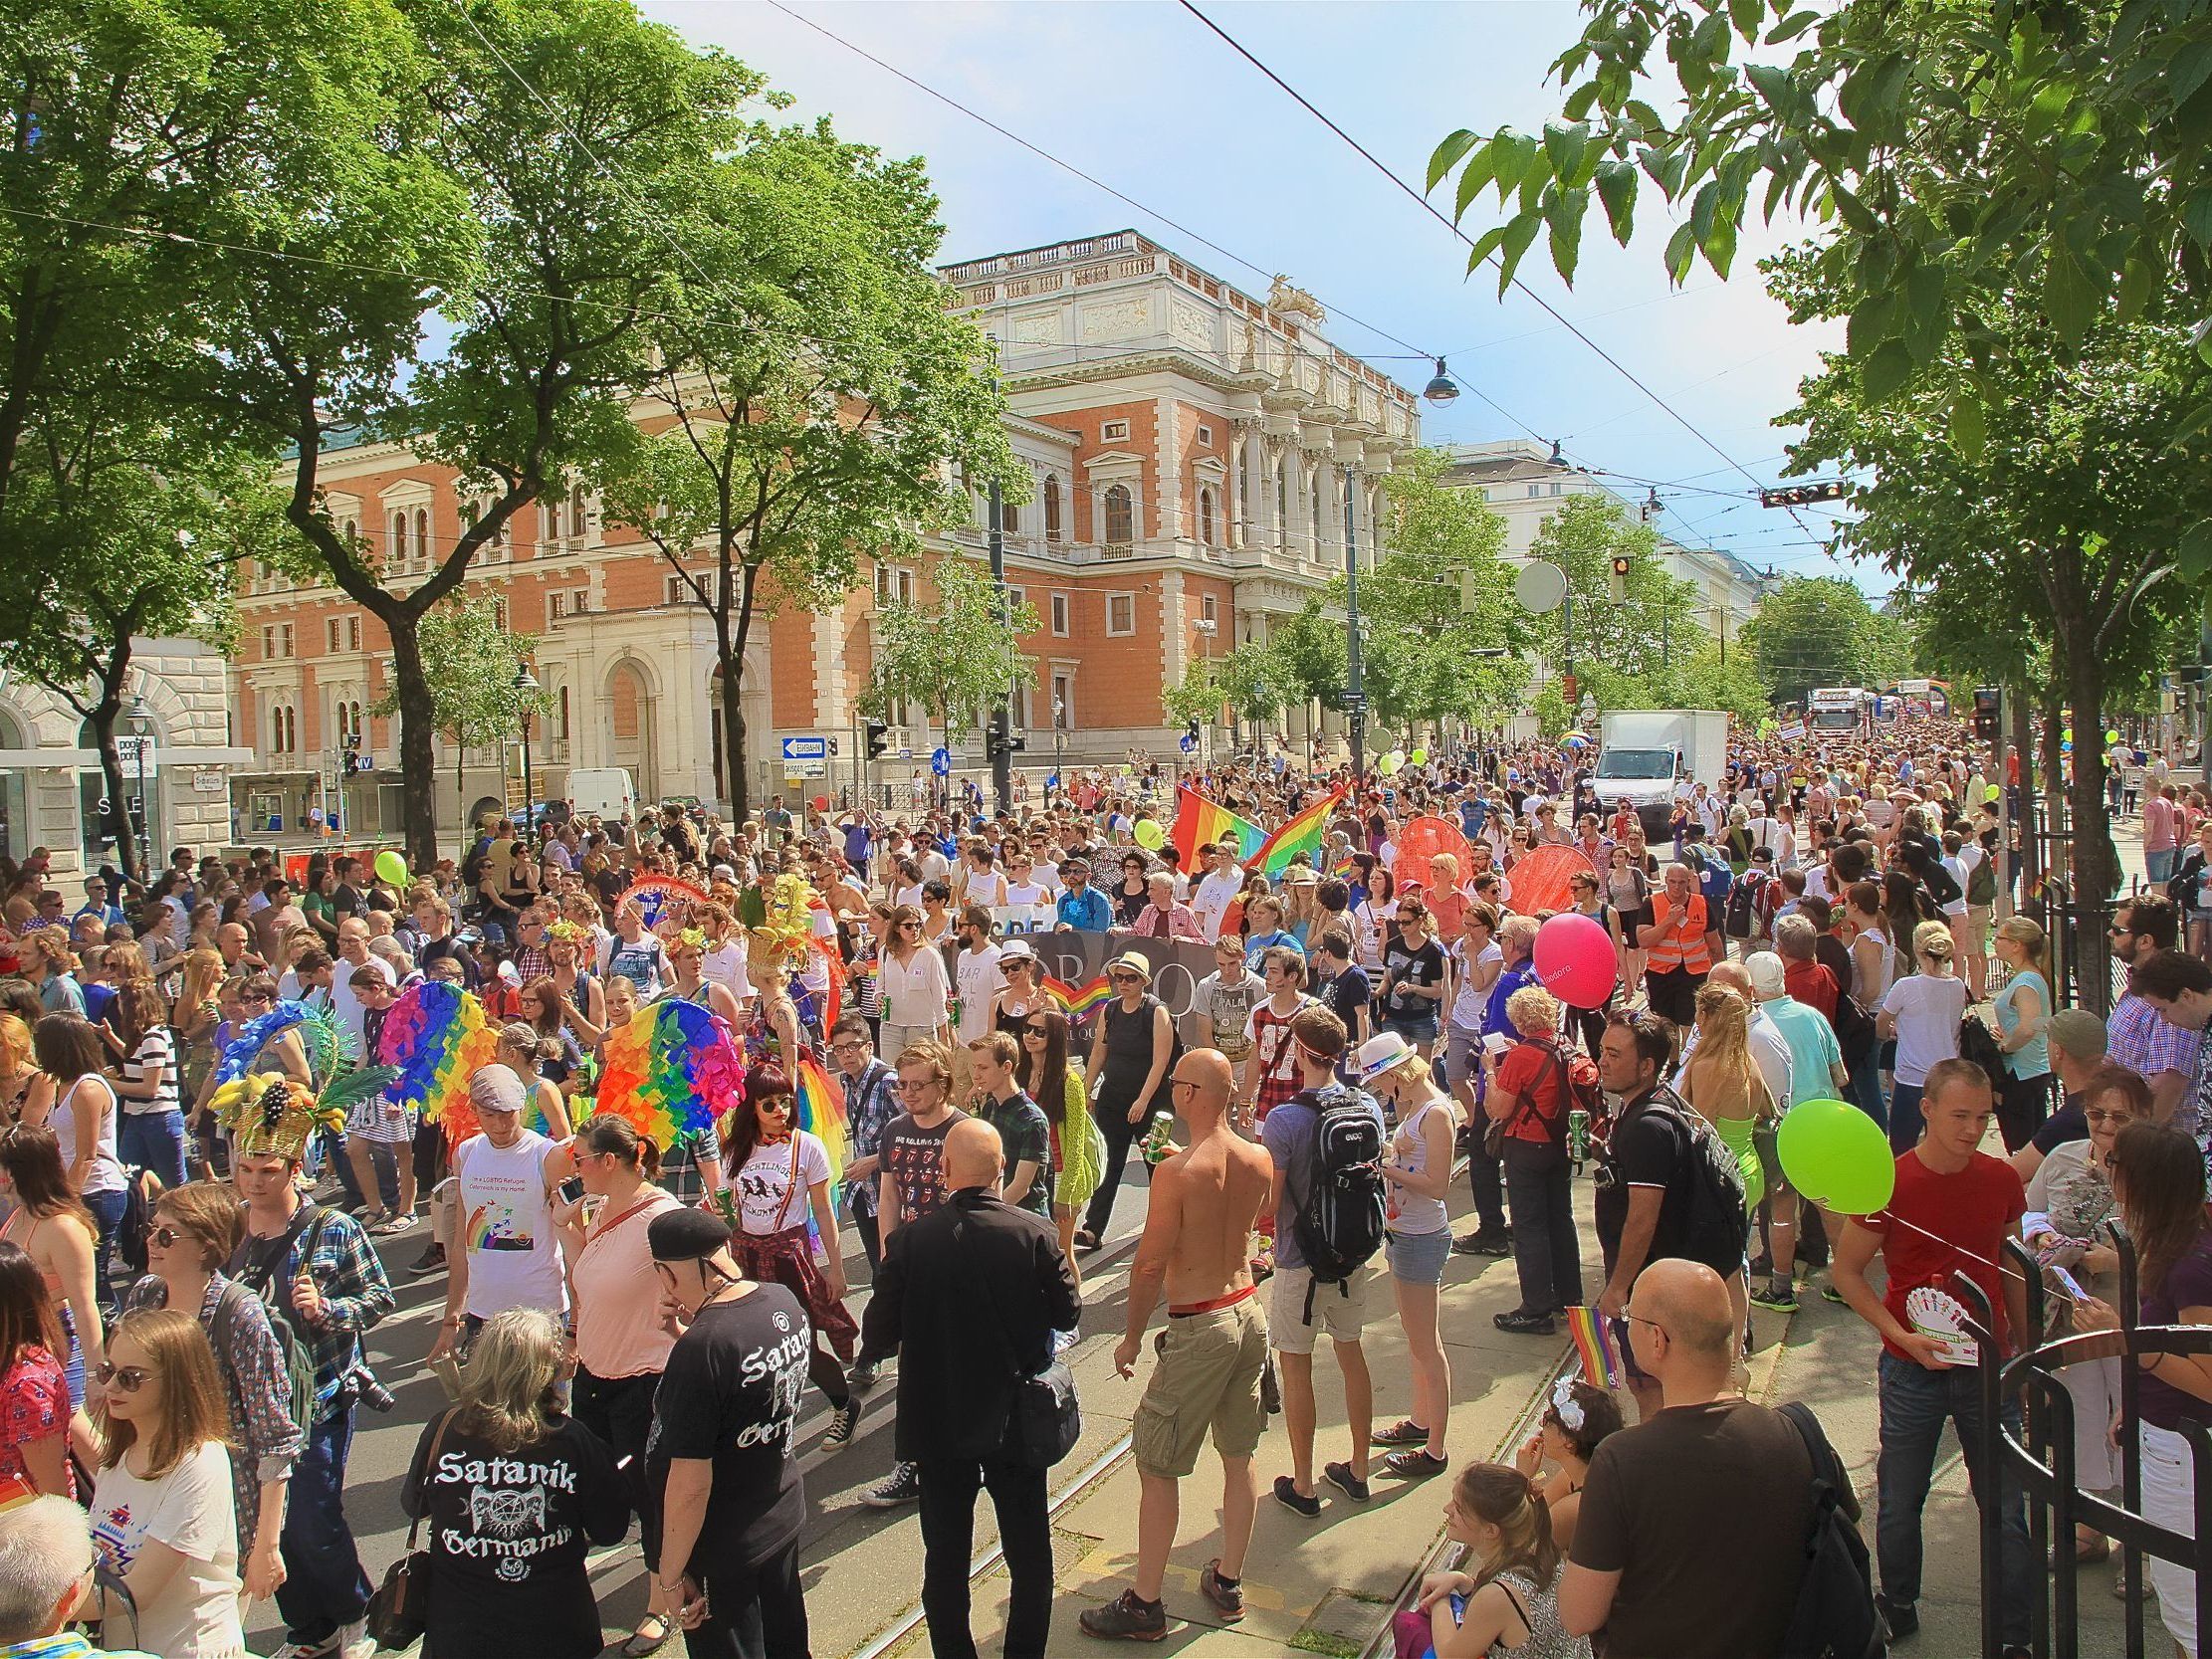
x,y
1574,960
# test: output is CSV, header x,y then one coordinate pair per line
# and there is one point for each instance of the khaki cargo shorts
x,y
1207,1378
1339,1311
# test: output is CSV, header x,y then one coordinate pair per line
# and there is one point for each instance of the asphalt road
x,y
839,1525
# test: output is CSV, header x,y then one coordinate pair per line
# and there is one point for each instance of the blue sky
x,y
1138,94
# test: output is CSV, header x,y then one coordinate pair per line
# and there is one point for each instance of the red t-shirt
x,y
1812,984
1530,1073
1970,1213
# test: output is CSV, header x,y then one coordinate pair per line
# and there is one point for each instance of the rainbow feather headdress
x,y
435,1039
673,1070
659,897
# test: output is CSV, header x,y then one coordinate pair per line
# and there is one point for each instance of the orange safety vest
x,y
1672,952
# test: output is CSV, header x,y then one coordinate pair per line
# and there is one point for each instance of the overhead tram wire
x,y
1431,209
1264,272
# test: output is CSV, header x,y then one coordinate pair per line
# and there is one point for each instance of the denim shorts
x,y
1415,1028
1418,1258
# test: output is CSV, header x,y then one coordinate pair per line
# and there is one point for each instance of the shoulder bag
x,y
399,1611
1044,1421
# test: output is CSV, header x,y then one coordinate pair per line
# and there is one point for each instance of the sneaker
x,y
1125,1619
1775,1295
1899,1619
1340,1476
431,1260
323,1649
1404,1432
1522,1322
902,1486
1830,1293
1288,1494
1483,1242
354,1641
861,1378
842,1421
1062,1340
1415,1465
1227,1598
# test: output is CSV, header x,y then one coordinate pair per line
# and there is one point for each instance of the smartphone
x,y
2059,1279
571,1190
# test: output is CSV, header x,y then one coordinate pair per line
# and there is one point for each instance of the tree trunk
x,y
733,736
418,793
2051,772
118,787
2020,705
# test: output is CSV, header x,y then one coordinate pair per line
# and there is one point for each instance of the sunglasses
x,y
1126,978
166,1235
124,1379
1037,1031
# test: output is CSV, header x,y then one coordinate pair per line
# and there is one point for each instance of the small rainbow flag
x,y
1595,1348
1198,820
820,1112
1301,833
1079,1004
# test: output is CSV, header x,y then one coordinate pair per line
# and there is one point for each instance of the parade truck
x,y
1644,754
1838,710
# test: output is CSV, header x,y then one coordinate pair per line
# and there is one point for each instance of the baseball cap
x,y
2078,1031
1765,969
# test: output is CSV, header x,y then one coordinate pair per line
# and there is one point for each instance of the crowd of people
x,y
192,1256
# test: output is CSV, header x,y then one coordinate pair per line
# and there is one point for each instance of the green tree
x,y
543,154
1311,660
1634,635
1254,683
1438,605
777,450
955,657
1821,631
1957,156
1196,697
1550,711
471,658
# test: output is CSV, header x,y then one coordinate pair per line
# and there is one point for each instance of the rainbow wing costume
x,y
435,1039
673,1070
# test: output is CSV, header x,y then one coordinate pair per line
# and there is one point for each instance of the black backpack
x,y
1744,915
1338,1220
1718,1223
1834,1617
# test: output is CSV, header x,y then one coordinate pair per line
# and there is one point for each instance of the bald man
x,y
1692,1534
970,1296
1205,1203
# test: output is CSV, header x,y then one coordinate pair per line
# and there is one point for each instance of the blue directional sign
x,y
805,749
1187,743
941,761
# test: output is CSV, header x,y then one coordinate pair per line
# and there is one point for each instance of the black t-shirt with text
x,y
1404,966
730,1394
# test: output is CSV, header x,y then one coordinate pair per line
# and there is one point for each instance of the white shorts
x,y
1339,1311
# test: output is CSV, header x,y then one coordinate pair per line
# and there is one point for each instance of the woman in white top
x,y
162,1506
913,984
1418,1243
1921,1011
152,1131
722,960
83,1122
1375,914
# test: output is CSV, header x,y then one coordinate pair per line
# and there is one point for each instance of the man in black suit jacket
x,y
969,1297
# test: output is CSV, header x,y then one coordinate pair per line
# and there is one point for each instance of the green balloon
x,y
1837,1156
2066,736
1418,757
2112,737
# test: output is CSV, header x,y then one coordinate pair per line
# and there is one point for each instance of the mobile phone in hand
x,y
571,1190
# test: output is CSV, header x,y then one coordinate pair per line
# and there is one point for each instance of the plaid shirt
x,y
868,1107
2144,1040
356,1295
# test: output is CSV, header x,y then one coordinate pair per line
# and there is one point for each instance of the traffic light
x,y
1191,730
1985,714
1620,577
1802,494
1000,739
879,738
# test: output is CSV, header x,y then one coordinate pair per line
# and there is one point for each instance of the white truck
x,y
1643,753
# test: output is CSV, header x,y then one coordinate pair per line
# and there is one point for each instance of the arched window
x,y
1316,520
422,535
398,551
1206,518
349,531
1245,490
1121,515
564,714
1052,507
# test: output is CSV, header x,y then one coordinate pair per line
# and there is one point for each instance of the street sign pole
x,y
1002,762
1355,699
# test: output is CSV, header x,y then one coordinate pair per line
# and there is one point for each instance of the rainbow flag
x,y
1595,1346
1197,820
820,1112
1302,833
1079,1004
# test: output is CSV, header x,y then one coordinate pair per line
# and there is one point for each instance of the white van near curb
x,y
604,790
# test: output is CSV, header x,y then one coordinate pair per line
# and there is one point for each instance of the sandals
x,y
639,1645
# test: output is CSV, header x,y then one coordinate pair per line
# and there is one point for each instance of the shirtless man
x,y
1206,1199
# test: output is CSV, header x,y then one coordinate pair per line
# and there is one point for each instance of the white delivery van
x,y
604,790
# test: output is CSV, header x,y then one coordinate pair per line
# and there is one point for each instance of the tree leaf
x,y
1869,324
1518,234
1969,425
1773,83
1872,89
2135,283
2188,70
1887,368
2192,554
1719,243
1790,27
1682,249
1565,145
2196,218
1747,14
2069,294
1925,311
1564,213
1446,155
1664,168
2201,338
1616,186
1485,245
1472,179
1515,154
1708,42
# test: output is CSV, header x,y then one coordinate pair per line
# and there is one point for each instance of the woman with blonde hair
x,y
516,1493
1509,1602
194,1014
161,1506
1921,1011
17,1070
2023,1007
914,986
1723,1083
1417,1180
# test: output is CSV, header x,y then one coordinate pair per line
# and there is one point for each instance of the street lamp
x,y
1442,389
1205,628
526,688
1059,714
141,728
